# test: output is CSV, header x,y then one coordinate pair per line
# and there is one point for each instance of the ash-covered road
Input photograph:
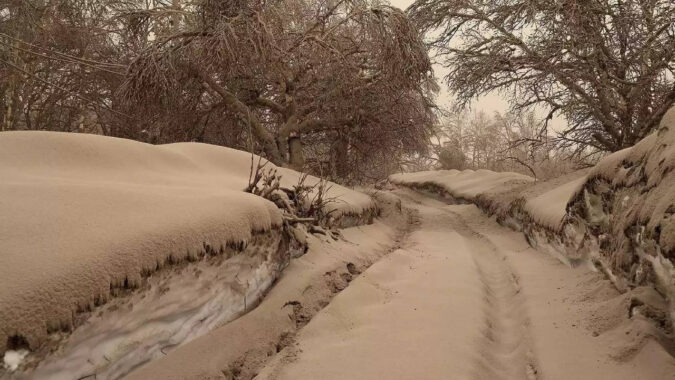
x,y
465,298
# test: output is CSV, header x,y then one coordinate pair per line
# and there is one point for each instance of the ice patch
x,y
13,359
175,309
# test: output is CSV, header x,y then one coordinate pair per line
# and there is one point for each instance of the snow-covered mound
x,y
623,216
82,216
461,185
237,165
549,208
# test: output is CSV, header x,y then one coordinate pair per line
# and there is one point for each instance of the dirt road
x,y
465,298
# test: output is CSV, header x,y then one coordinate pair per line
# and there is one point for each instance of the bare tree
x,y
606,65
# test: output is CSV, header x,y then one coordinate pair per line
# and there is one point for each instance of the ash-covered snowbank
x,y
622,217
86,218
461,186
538,210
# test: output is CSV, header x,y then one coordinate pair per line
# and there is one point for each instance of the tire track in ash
x,y
505,350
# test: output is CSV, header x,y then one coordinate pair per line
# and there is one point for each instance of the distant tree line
x,y
501,143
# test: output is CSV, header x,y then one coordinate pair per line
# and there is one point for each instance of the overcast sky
x,y
490,103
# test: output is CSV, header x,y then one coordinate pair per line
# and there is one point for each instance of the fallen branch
x,y
295,219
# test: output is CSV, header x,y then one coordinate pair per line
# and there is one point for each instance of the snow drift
x,y
83,217
623,216
464,185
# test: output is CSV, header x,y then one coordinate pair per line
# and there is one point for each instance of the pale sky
x,y
489,104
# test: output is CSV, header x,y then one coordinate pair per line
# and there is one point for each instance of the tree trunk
x,y
261,134
296,154
175,18
340,157
7,121
11,95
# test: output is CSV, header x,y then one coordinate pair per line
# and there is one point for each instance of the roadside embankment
x,y
87,219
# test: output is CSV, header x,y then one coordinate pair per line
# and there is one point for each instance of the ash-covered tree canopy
x,y
606,65
348,79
